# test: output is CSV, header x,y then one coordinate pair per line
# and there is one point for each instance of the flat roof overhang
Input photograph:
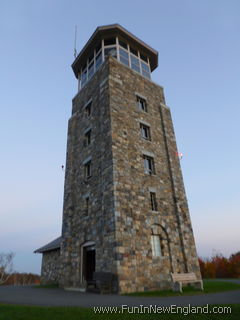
x,y
114,30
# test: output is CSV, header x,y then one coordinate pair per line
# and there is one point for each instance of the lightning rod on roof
x,y
75,42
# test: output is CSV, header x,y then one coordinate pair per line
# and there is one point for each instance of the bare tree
x,y
6,266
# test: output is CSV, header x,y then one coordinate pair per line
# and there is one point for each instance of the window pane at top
x,y
99,46
143,57
133,51
123,44
91,57
108,42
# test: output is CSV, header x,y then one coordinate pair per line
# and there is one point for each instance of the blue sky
x,y
199,50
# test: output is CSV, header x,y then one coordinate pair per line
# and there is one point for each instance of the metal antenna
x,y
75,42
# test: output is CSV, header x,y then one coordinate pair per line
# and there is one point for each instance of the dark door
x,y
90,262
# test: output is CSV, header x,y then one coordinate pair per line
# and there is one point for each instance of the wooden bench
x,y
103,281
181,278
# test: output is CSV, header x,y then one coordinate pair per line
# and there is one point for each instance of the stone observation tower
x,y
125,209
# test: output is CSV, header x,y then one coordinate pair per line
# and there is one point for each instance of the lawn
x,y
210,286
15,312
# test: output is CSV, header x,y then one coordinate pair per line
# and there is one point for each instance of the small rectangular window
x,y
87,138
87,206
148,165
87,170
145,131
142,105
88,109
153,201
156,246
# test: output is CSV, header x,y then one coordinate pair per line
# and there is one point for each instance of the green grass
x,y
210,286
15,312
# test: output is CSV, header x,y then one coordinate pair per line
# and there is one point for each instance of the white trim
x,y
88,244
147,153
103,56
117,47
164,106
86,130
139,94
143,122
86,195
87,160
87,103
103,82
152,189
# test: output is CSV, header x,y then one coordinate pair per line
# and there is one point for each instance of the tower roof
x,y
114,30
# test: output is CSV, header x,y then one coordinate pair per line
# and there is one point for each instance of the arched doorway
x,y
160,243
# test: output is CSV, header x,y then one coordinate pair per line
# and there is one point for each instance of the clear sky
x,y
199,67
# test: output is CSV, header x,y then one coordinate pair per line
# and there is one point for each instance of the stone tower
x,y
125,209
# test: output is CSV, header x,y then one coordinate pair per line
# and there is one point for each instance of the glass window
x,y
124,56
79,80
148,165
153,201
110,52
88,109
123,44
90,70
135,63
145,70
145,66
87,170
91,57
133,51
87,138
156,246
146,74
108,42
98,47
87,206
141,103
98,60
145,131
143,57
84,77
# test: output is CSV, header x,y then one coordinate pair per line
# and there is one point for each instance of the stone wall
x,y
138,270
98,224
50,267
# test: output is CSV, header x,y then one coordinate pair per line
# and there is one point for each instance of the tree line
x,y
220,267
